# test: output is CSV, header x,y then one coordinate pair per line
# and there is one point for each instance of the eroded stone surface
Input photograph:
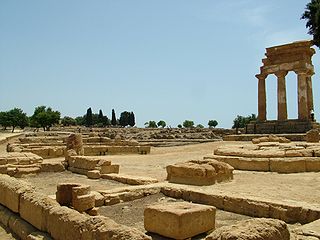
x,y
204,172
253,229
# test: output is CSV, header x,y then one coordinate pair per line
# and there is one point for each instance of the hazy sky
x,y
164,59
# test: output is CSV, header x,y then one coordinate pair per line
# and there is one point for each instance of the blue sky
x,y
168,59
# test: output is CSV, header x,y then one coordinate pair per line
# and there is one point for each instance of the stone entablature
x,y
280,60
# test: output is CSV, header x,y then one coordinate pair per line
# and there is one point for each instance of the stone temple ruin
x,y
279,61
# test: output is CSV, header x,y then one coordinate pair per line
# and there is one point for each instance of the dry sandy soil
x,y
299,187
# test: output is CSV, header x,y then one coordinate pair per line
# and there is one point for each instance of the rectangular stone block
x,y
114,168
34,208
179,220
287,165
313,164
67,224
84,202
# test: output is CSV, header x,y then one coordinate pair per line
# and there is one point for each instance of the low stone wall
x,y
61,223
290,213
271,156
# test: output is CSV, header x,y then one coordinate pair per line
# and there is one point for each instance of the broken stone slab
x,y
195,172
128,179
179,220
263,228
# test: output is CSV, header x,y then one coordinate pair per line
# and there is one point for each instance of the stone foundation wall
x,y
61,223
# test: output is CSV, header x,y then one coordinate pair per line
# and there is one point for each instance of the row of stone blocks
x,y
60,151
280,165
19,164
62,223
290,213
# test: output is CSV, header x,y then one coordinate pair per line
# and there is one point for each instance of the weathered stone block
x,y
179,220
114,168
34,208
94,174
266,229
287,165
84,202
313,136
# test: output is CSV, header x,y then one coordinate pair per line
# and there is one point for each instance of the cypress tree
x,y
89,119
131,119
113,119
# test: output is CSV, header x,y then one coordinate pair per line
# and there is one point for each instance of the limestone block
x,y
105,228
3,169
179,220
94,174
84,202
313,164
114,168
266,229
64,193
93,211
67,224
287,165
35,207
202,198
3,160
10,190
52,167
253,164
20,227
99,198
24,171
205,172
5,215
78,170
313,136
74,141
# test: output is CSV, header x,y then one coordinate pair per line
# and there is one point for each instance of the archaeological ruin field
x,y
107,184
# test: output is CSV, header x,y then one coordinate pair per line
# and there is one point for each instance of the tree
x,y
17,118
312,16
200,126
124,119
113,119
179,126
212,123
68,121
4,120
44,117
162,124
80,120
241,121
100,117
89,118
188,124
151,124
132,119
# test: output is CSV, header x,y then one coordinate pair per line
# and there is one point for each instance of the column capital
x,y
261,76
302,72
281,73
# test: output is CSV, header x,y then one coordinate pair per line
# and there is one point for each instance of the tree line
x,y
185,124
45,117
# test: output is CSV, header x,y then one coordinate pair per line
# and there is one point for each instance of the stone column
x,y
309,94
303,113
282,95
262,101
